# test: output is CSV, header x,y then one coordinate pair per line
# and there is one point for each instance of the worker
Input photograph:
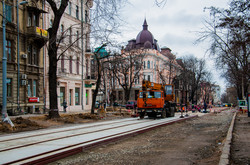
x,y
64,105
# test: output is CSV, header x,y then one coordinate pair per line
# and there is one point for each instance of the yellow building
x,y
25,64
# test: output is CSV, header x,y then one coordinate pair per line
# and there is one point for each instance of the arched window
x,y
148,64
62,30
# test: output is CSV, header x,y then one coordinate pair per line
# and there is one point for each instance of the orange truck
x,y
156,99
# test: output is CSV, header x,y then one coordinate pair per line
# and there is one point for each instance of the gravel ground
x,y
240,148
195,141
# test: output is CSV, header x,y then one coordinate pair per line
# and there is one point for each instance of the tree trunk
x,y
98,82
53,113
127,94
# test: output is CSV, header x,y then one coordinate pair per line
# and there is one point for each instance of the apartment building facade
x,y
74,86
25,38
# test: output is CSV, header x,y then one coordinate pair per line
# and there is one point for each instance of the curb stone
x,y
224,158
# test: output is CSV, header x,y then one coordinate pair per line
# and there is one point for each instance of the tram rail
x,y
46,146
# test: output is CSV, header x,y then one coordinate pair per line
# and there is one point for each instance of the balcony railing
x,y
61,71
90,77
37,32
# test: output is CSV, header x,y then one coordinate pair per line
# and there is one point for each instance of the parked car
x,y
115,104
131,104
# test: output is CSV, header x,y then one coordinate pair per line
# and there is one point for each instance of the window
x,y
77,96
70,96
32,55
29,54
50,23
77,65
34,88
86,16
151,94
62,31
148,77
168,89
62,63
33,19
77,12
9,87
148,64
35,56
70,35
62,95
70,4
144,64
70,64
30,19
29,87
77,38
8,13
8,50
87,100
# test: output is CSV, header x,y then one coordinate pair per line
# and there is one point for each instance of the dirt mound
x,y
29,123
75,118
21,124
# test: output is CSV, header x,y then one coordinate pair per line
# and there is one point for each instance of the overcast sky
x,y
173,25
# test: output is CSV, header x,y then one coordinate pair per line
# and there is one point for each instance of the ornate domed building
x,y
156,65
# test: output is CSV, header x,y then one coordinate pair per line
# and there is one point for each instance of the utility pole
x,y
4,69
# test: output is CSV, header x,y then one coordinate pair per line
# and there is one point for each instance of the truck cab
x,y
156,99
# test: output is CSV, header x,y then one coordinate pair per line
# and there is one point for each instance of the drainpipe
x,y
18,57
44,69
82,54
4,65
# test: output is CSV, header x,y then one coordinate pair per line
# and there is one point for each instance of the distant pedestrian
x,y
64,105
205,107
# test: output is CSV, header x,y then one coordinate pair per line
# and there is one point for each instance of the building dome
x,y
144,36
144,39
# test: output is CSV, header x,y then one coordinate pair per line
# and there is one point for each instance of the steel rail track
x,y
60,152
68,136
56,130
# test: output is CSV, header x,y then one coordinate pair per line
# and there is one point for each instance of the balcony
x,y
88,52
38,35
61,72
90,79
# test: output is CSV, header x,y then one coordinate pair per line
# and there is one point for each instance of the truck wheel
x,y
142,114
172,111
168,112
163,113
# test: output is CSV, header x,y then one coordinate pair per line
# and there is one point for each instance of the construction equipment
x,y
156,99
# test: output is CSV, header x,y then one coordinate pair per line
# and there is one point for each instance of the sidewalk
x,y
240,146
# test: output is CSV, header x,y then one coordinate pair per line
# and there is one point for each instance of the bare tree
x,y
105,20
126,69
52,52
99,63
228,33
193,73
